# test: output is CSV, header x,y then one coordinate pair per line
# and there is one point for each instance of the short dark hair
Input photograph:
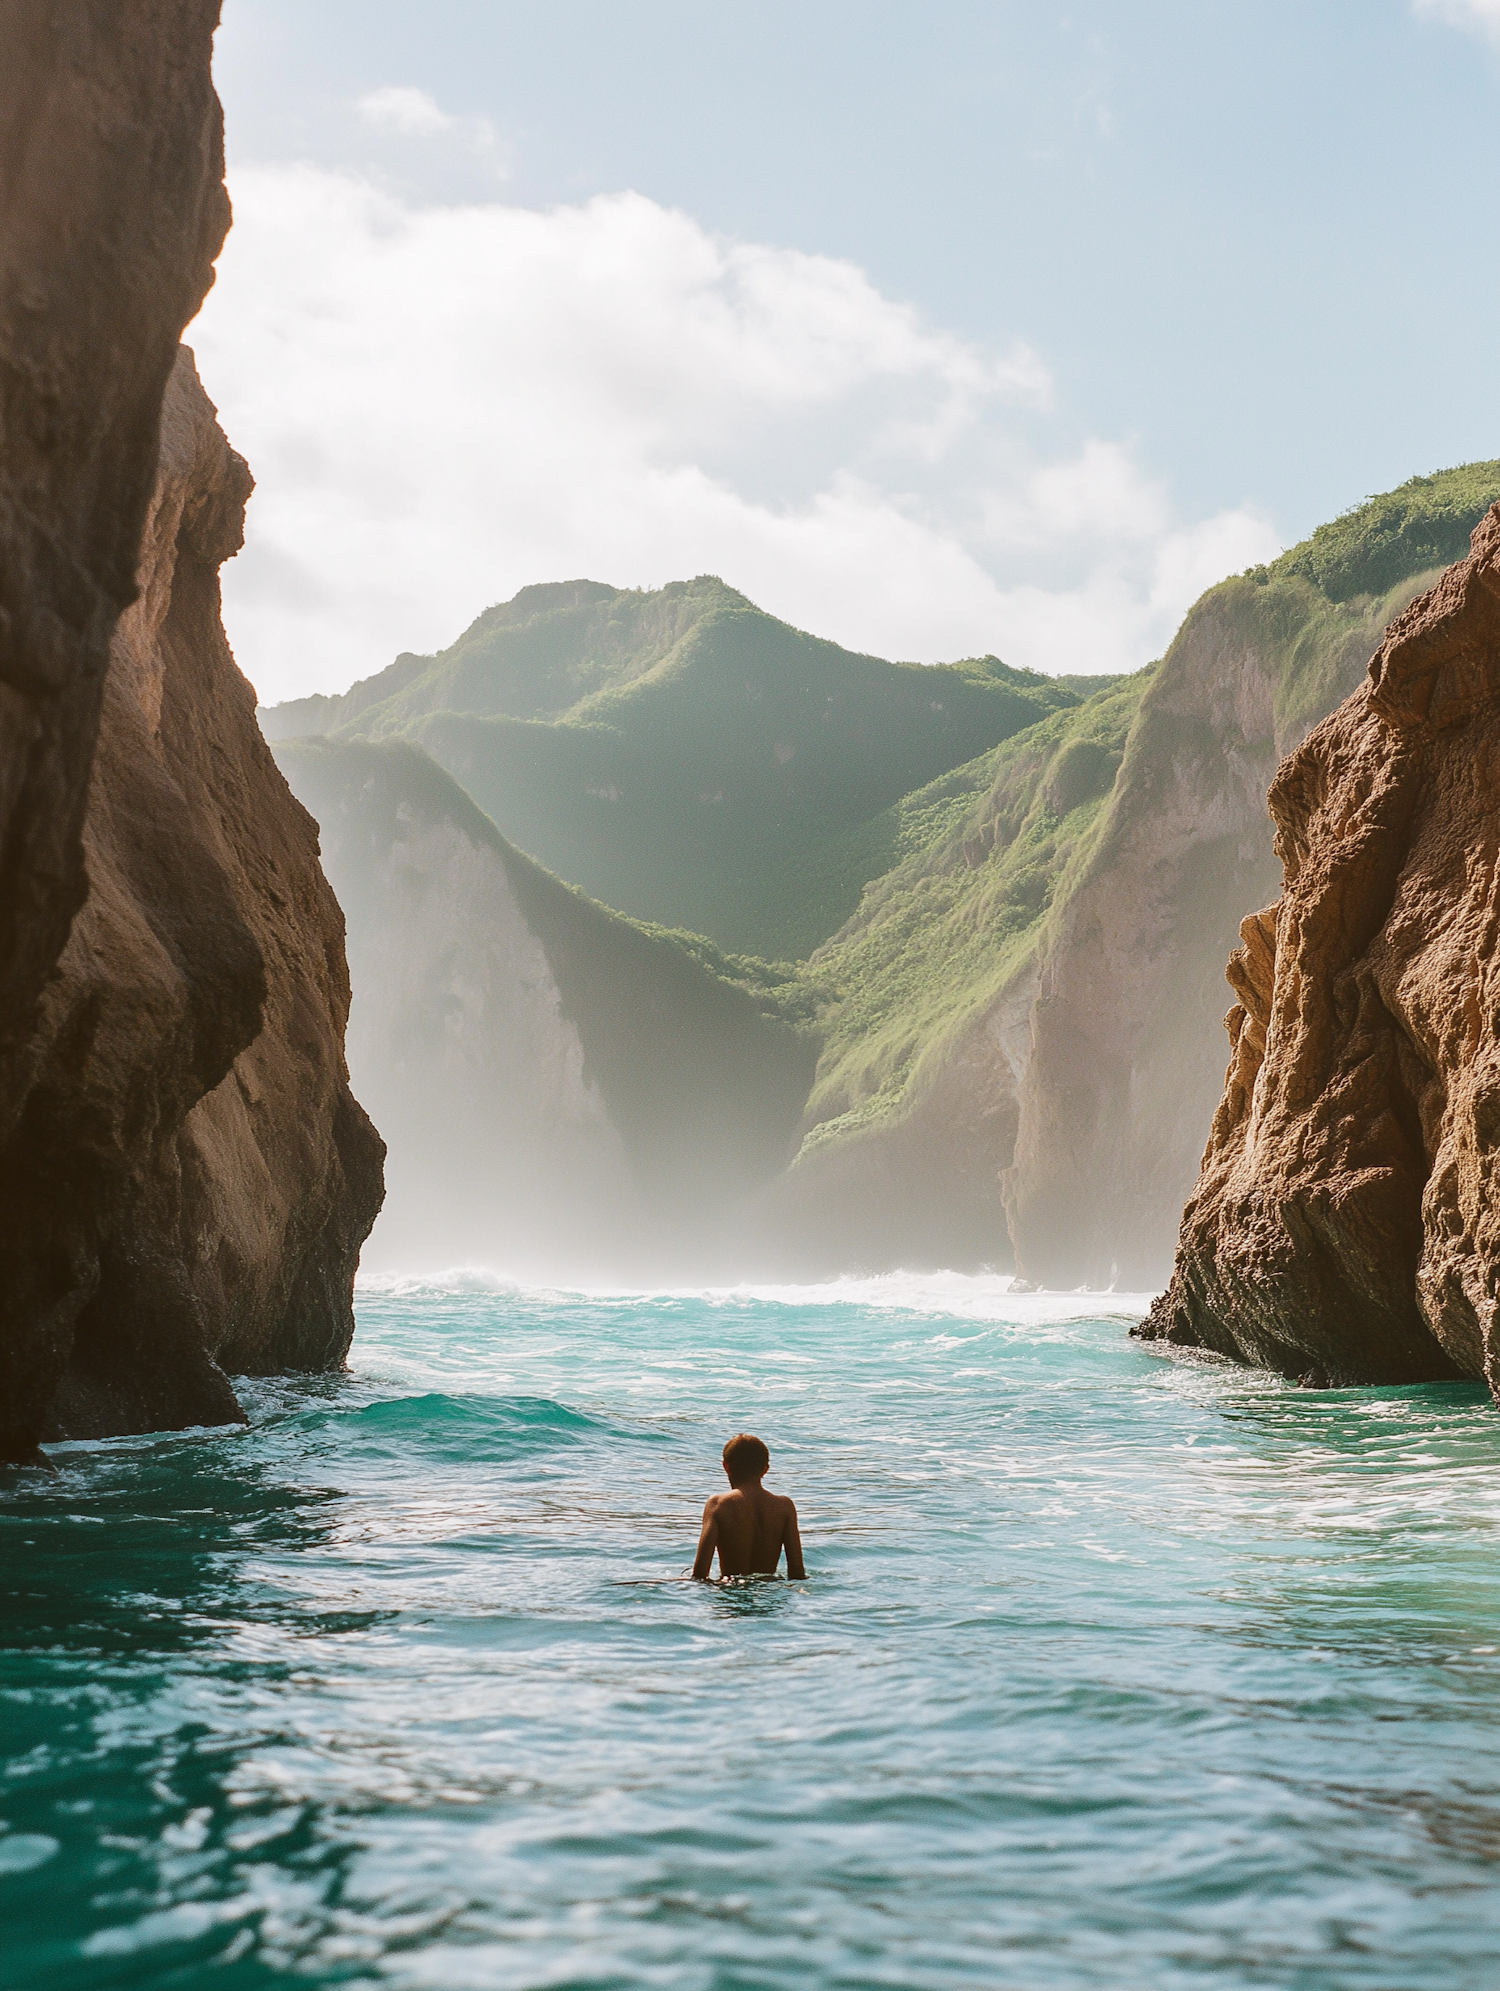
x,y
746,1458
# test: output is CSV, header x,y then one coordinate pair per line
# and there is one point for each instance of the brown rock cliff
x,y
1344,1225
183,1174
192,1177
111,165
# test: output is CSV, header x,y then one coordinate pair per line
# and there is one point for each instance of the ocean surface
x,y
1113,1669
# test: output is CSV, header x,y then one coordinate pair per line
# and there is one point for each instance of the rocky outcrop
x,y
112,160
568,1095
189,1178
1344,1227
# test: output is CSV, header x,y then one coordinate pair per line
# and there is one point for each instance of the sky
x,y
939,330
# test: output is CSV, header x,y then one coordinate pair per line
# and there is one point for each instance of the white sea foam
x,y
954,1295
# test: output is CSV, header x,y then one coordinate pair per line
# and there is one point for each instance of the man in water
x,y
748,1526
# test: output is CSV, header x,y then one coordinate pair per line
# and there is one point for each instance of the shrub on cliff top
x,y
1425,523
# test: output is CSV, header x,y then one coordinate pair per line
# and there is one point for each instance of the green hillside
x,y
986,853
1009,898
533,657
684,757
1424,523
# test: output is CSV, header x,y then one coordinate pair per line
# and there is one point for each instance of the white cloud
x,y
443,404
400,112
1483,15
398,108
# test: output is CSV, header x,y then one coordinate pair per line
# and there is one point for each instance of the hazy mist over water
x,y
1112,1669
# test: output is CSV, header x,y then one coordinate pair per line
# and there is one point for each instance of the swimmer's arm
x,y
708,1541
791,1541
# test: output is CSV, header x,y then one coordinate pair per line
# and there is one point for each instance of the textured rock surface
x,y
111,160
183,1174
1344,1225
189,1179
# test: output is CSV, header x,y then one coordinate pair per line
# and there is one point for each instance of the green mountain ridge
x,y
717,771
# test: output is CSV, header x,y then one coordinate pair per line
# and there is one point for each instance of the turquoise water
x,y
1114,1670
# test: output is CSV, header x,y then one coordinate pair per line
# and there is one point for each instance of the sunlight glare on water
x,y
1113,1670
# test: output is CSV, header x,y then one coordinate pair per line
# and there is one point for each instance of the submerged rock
x,y
184,1177
1344,1227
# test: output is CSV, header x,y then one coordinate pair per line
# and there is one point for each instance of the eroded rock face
x,y
189,1179
1344,1227
111,160
183,1175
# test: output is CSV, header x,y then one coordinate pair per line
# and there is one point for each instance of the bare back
x,y
749,1528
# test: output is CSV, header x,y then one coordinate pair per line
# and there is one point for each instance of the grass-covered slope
x,y
1016,895
715,769
533,657
984,854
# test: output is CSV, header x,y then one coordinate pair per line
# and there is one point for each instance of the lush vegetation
x,y
987,852
989,856
1377,545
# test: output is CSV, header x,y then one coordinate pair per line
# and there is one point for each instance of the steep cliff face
x,y
1344,1225
1125,1059
189,1178
183,1174
111,159
567,1094
1025,1009
114,208
928,995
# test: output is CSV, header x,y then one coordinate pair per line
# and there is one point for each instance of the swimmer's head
x,y
745,1458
